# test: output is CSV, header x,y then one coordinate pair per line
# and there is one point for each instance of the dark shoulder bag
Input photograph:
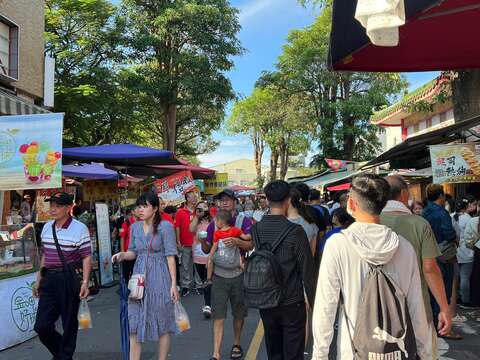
x,y
71,277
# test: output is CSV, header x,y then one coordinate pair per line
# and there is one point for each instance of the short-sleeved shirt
x,y
310,229
419,233
223,234
246,227
182,222
73,238
164,242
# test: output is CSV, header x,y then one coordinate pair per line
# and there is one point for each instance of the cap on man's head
x,y
61,198
226,192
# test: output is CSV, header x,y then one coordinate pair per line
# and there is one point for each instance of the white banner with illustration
x,y
18,309
172,189
104,243
31,151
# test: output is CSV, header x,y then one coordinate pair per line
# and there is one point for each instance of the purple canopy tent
x,y
89,171
120,154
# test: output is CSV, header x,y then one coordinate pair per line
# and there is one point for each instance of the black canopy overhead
x,y
437,35
414,151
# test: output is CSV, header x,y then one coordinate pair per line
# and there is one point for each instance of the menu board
x,y
458,163
104,243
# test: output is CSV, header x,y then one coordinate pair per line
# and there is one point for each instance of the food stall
x,y
30,156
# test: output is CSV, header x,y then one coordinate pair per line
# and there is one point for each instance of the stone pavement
x,y
103,341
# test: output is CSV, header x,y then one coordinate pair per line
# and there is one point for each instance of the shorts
x,y
225,290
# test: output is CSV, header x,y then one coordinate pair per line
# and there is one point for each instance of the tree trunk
x,y
284,155
273,164
466,95
258,148
169,127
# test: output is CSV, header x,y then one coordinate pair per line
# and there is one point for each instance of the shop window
x,y
8,50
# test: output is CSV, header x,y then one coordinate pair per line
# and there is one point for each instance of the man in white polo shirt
x,y
63,278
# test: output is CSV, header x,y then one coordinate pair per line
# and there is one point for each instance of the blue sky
x,y
265,27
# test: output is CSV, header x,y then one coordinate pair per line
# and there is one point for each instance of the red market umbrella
x,y
340,187
437,35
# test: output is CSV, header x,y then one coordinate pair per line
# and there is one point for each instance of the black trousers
x,y
57,299
207,291
285,331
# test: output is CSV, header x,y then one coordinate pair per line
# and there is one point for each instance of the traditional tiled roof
x,y
425,92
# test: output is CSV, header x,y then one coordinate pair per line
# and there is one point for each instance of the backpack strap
x,y
277,242
347,320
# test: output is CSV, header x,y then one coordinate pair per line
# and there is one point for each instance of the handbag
x,y
71,276
136,284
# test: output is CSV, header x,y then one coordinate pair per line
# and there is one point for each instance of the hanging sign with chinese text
x,y
172,189
459,163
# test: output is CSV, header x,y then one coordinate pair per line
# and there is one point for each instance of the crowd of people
x,y
310,265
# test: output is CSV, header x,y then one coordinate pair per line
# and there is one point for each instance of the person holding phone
x,y
198,226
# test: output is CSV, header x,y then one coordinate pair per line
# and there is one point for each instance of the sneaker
x,y
185,292
207,312
459,318
467,306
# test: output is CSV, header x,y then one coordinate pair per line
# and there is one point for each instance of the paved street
x,y
103,341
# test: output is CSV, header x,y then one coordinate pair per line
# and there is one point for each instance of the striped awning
x,y
14,105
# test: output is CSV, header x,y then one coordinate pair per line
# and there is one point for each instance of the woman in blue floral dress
x,y
153,246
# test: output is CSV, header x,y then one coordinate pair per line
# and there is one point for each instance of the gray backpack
x,y
228,258
383,328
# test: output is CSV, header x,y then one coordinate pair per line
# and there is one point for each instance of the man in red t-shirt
x,y
185,241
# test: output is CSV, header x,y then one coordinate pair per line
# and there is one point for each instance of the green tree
x,y
339,102
182,50
84,37
271,119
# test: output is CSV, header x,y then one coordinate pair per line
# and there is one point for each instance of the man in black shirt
x,y
285,325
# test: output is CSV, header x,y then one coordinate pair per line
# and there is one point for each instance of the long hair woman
x,y
153,246
301,214
199,224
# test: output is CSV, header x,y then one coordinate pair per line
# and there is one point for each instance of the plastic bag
x,y
84,317
181,318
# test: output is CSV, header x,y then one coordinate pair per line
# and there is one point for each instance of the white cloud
x,y
254,8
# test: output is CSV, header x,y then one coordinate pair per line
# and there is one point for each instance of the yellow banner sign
x,y
216,184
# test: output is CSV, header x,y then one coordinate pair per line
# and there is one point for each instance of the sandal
x,y
452,336
237,352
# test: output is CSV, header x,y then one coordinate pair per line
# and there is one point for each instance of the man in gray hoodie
x,y
345,265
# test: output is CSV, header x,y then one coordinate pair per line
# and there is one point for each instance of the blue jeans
x,y
465,274
447,270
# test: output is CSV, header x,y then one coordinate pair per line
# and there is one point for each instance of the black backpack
x,y
263,280
383,328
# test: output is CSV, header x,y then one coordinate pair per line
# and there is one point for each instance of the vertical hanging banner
x,y
104,243
31,151
172,189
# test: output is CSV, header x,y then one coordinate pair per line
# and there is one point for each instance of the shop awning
x,y
340,187
327,178
13,105
438,35
120,154
89,171
417,146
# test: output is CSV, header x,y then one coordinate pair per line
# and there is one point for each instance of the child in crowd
x,y
221,255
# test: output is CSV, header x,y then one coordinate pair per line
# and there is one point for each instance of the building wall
x,y
243,172
29,15
389,137
240,172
